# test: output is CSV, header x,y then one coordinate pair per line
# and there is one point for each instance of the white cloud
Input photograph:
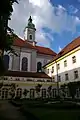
x,y
72,9
60,48
44,15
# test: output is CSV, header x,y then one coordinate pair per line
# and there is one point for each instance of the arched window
x,y
19,92
32,93
24,64
4,93
30,36
39,67
6,61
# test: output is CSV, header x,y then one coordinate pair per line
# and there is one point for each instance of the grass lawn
x,y
48,112
51,114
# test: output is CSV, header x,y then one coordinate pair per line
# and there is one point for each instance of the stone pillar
x,y
16,63
33,61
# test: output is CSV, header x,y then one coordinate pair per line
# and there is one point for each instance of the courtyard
x,y
38,110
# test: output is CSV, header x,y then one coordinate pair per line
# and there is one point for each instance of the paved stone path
x,y
9,112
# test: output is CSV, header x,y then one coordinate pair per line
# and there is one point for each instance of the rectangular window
x,y
66,77
53,78
75,74
48,71
48,81
59,78
58,66
29,80
65,63
52,69
74,59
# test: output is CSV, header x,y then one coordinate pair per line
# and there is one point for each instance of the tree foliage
x,y
38,88
72,86
6,10
25,92
49,90
6,40
13,90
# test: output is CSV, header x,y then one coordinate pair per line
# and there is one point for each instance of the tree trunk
x,y
2,68
1,52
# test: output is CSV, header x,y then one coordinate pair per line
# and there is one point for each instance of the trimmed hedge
x,y
16,103
56,105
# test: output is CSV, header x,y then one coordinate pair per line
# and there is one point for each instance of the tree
x,y
49,90
25,92
6,39
63,92
38,88
72,87
12,90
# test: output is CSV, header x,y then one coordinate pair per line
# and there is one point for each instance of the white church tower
x,y
29,32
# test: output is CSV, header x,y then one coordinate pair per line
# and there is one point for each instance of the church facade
x,y
65,67
36,65
30,57
25,68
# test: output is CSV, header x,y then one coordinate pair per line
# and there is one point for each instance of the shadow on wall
x,y
68,76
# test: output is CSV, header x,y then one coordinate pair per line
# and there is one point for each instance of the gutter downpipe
x,y
57,79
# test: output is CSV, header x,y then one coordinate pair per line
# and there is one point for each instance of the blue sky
x,y
57,21
66,36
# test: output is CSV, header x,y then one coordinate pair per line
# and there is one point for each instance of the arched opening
x,y
39,67
32,93
19,93
43,93
6,61
4,93
30,37
24,64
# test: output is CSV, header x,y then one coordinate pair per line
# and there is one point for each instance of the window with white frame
x,y
53,78
75,74
65,63
39,67
30,37
74,59
6,60
59,78
58,66
52,69
24,64
66,77
48,71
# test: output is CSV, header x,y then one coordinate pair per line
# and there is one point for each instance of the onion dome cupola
x,y
29,31
30,24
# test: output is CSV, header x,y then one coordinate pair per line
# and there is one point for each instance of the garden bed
x,y
48,112
16,103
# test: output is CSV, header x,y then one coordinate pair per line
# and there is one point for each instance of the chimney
x,y
34,43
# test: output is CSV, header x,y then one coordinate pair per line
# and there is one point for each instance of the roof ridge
x,y
69,44
41,46
64,50
40,49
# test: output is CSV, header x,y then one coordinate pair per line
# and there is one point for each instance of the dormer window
x,y
30,36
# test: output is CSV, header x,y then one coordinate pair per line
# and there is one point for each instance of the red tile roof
x,y
21,43
71,46
42,50
27,74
